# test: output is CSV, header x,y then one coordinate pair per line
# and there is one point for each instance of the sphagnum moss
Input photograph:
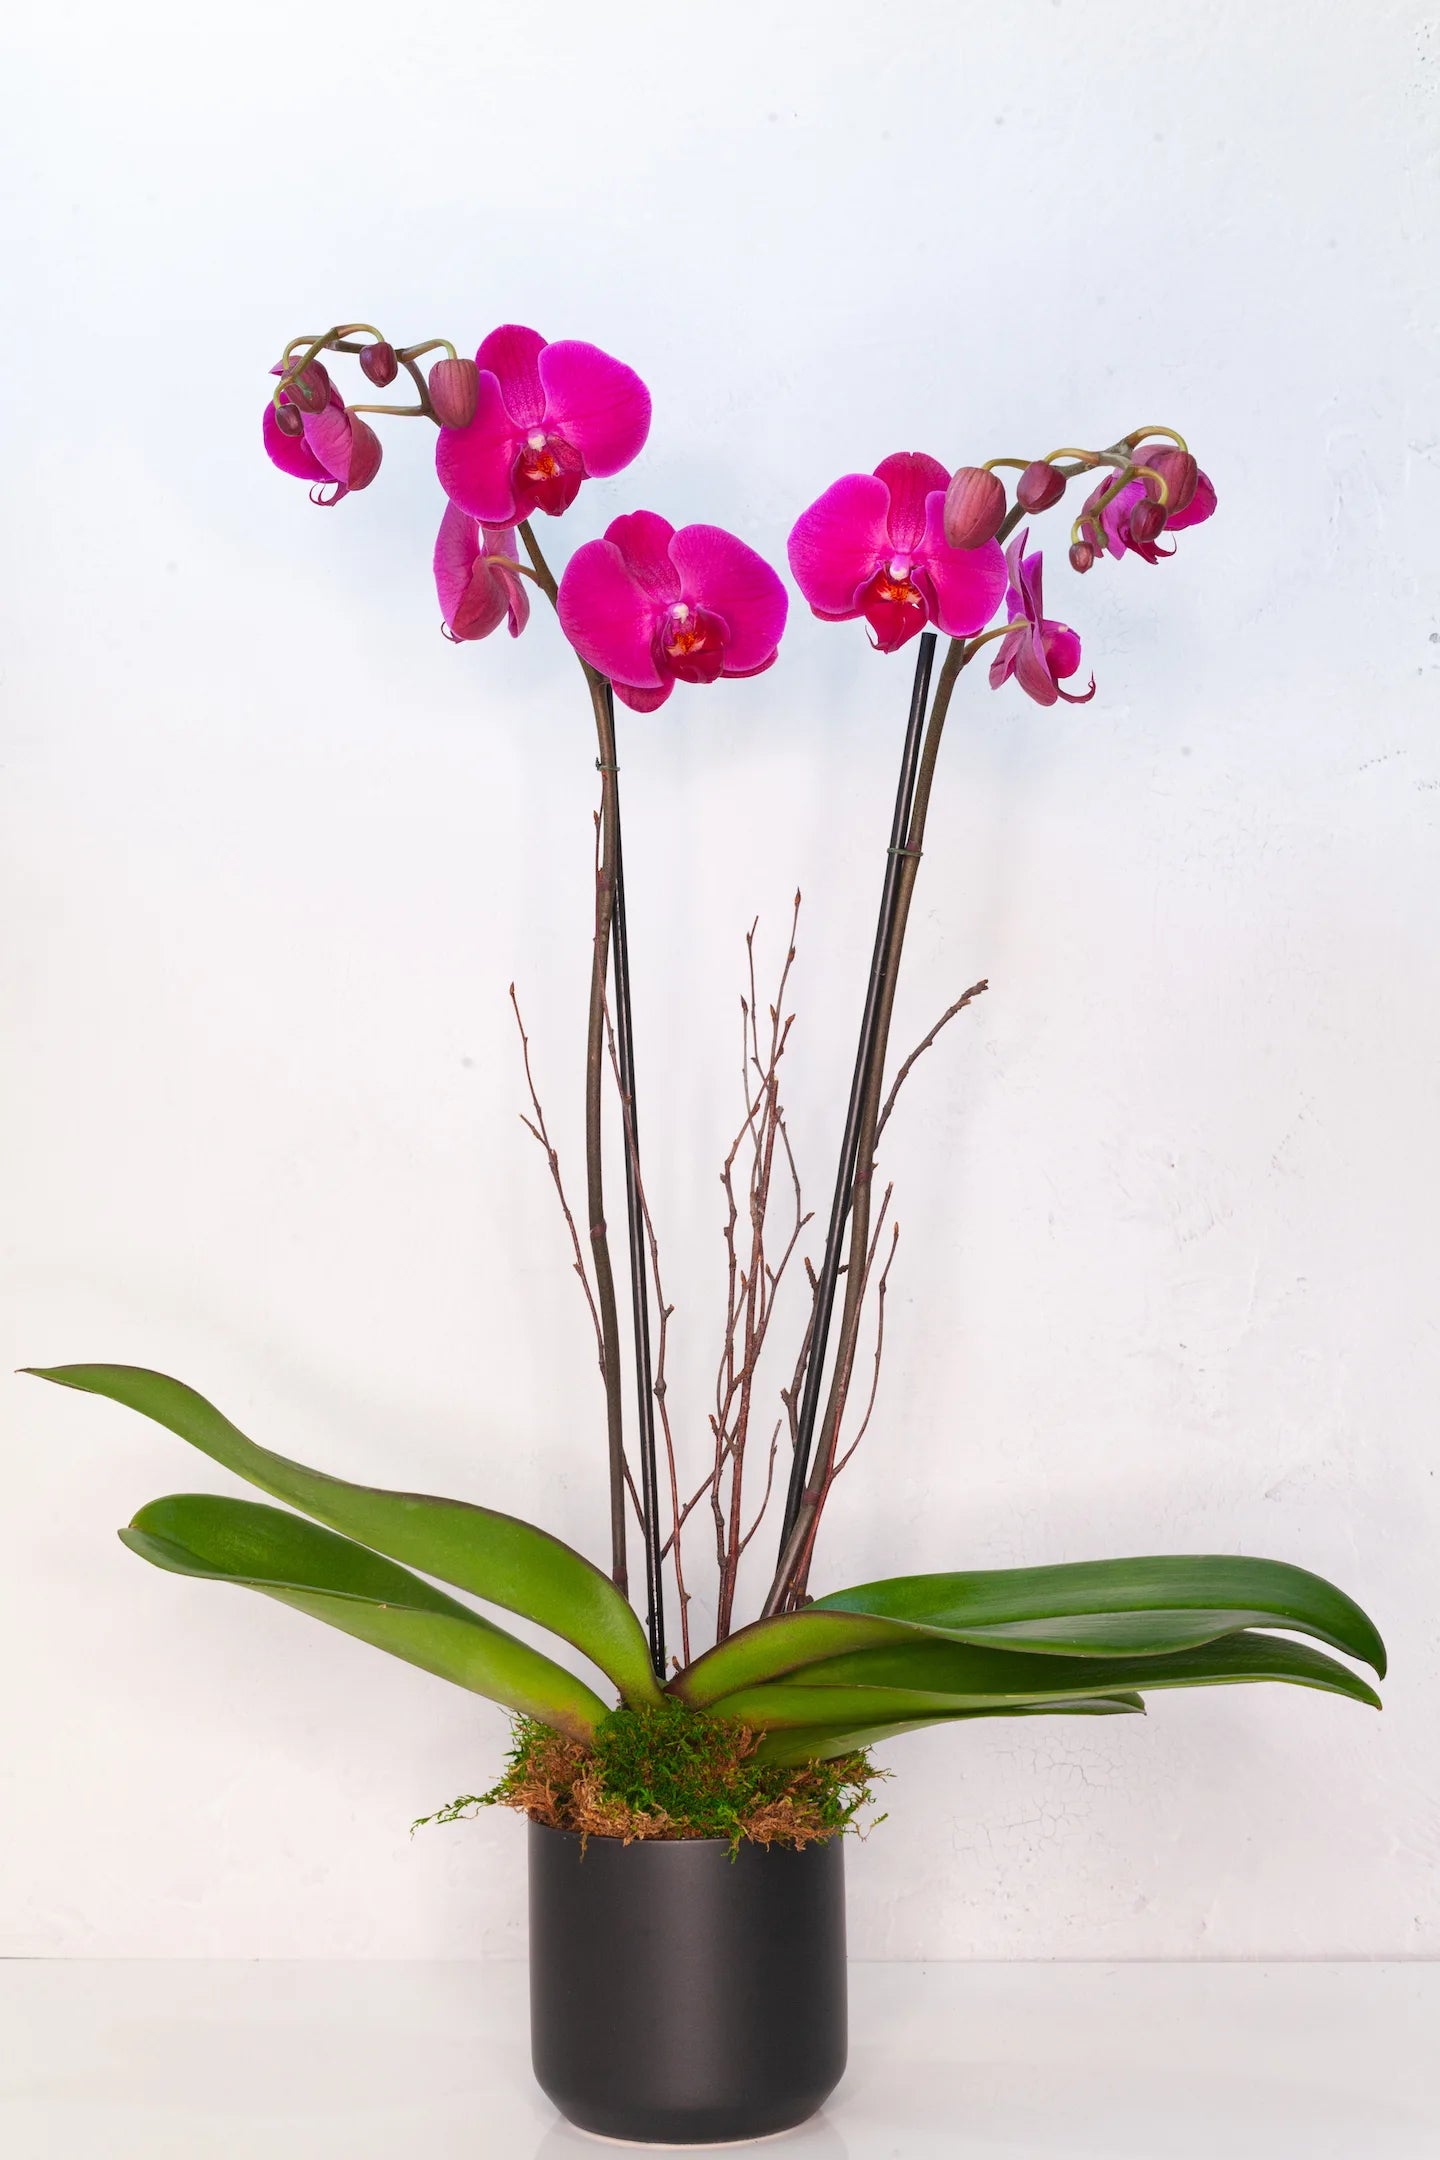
x,y
672,1772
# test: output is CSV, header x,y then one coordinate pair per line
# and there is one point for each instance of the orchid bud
x,y
1039,487
1179,472
454,389
1146,521
1082,556
289,420
364,453
974,507
379,365
310,389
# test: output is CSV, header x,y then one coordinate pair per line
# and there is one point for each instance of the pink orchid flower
x,y
334,450
546,418
475,594
1113,527
874,545
1039,653
649,607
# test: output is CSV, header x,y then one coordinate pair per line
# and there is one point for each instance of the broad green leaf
x,y
496,1557
1120,1608
769,1647
348,1587
821,1743
873,1687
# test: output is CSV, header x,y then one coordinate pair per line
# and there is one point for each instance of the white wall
x,y
273,850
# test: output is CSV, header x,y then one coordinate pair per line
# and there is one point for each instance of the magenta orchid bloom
x,y
475,594
1117,536
874,545
546,418
1039,653
334,450
649,607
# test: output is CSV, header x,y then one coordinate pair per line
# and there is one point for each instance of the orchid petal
x,y
911,478
969,583
608,617
643,539
473,599
291,453
500,540
643,700
475,462
719,572
512,355
836,545
1032,670
596,403
1062,649
328,435
1200,506
1007,652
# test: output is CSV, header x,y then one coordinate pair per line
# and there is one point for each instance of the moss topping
x,y
672,1772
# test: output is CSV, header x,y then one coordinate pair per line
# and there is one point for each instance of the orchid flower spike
x,y
332,448
874,545
649,607
1039,653
545,418
477,594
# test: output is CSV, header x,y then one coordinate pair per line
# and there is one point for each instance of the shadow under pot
x,y
682,1996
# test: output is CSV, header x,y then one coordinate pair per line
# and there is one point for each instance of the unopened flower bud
x,y
379,365
454,388
1146,521
1082,556
1039,487
364,454
310,389
1179,472
289,420
974,507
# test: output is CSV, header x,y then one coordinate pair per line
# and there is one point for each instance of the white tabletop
x,y
223,2061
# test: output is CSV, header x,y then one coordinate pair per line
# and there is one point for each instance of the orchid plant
x,y
915,551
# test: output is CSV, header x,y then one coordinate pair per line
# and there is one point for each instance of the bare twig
x,y
752,1288
671,1546
976,990
538,1127
841,1460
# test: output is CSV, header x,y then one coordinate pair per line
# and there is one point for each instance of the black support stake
x,y
864,1057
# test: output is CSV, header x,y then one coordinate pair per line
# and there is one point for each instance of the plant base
x,y
679,1996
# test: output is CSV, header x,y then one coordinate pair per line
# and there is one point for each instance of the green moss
x,y
672,1772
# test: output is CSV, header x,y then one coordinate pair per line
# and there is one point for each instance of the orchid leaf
x,y
1102,1608
874,1687
1120,1608
351,1588
822,1743
779,1645
497,1557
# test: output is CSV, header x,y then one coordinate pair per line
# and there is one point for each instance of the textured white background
x,y
273,850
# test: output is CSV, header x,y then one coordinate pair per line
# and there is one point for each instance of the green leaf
x,y
821,1743
1099,1608
779,1645
496,1557
1120,1608
873,1687
348,1587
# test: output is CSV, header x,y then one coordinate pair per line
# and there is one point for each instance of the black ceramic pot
x,y
682,1997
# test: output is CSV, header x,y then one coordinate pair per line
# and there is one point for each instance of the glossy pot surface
x,y
679,1996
